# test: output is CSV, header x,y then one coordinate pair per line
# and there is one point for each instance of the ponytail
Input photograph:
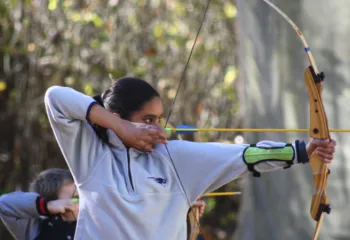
x,y
98,99
101,132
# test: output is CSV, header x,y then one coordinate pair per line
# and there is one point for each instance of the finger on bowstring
x,y
146,138
162,132
141,144
153,131
157,134
162,135
148,148
156,129
151,136
159,140
144,145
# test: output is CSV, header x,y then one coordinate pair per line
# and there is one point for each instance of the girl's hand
x,y
139,135
324,149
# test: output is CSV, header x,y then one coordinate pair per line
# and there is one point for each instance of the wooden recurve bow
x,y
318,130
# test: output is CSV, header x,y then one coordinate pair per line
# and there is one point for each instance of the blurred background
x,y
246,71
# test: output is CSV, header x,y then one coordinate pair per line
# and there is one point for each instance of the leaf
x,y
88,89
158,31
3,85
230,10
95,43
230,75
75,16
52,5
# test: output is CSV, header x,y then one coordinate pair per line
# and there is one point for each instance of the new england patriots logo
x,y
161,181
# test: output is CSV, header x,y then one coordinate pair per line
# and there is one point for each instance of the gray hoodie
x,y
133,195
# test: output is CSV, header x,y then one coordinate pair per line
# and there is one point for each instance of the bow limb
x,y
318,129
194,223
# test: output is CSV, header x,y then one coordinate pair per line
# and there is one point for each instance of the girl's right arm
x,y
70,113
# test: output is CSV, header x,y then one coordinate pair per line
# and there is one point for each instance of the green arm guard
x,y
253,155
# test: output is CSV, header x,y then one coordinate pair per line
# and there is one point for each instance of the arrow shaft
x,y
219,194
248,130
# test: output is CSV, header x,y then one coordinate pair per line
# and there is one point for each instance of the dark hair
x,y
125,96
49,182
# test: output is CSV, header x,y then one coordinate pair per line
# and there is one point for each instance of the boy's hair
x,y
49,181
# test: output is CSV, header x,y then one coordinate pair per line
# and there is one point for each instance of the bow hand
x,y
325,149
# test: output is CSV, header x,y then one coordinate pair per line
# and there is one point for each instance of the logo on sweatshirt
x,y
161,181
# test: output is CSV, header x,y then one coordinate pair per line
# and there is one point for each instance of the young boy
x,y
49,212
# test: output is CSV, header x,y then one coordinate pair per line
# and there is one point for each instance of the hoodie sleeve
x,y
19,213
204,167
67,111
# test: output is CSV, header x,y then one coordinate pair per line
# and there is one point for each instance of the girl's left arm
x,y
204,167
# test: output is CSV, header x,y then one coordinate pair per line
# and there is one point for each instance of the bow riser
x,y
318,119
318,130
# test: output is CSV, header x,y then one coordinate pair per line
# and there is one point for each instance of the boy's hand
x,y
61,206
324,149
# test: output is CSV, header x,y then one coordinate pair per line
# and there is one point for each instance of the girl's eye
x,y
148,120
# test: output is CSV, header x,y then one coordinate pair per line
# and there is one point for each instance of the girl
x,y
132,183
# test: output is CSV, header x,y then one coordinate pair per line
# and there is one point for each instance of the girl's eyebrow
x,y
153,116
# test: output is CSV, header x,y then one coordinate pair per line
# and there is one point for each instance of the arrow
x,y
184,129
219,194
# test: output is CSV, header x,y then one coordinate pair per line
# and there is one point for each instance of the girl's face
x,y
151,113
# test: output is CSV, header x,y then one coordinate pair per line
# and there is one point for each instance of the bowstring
x,y
183,76
75,189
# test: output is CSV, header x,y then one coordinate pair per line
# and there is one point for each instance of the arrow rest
x,y
317,77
